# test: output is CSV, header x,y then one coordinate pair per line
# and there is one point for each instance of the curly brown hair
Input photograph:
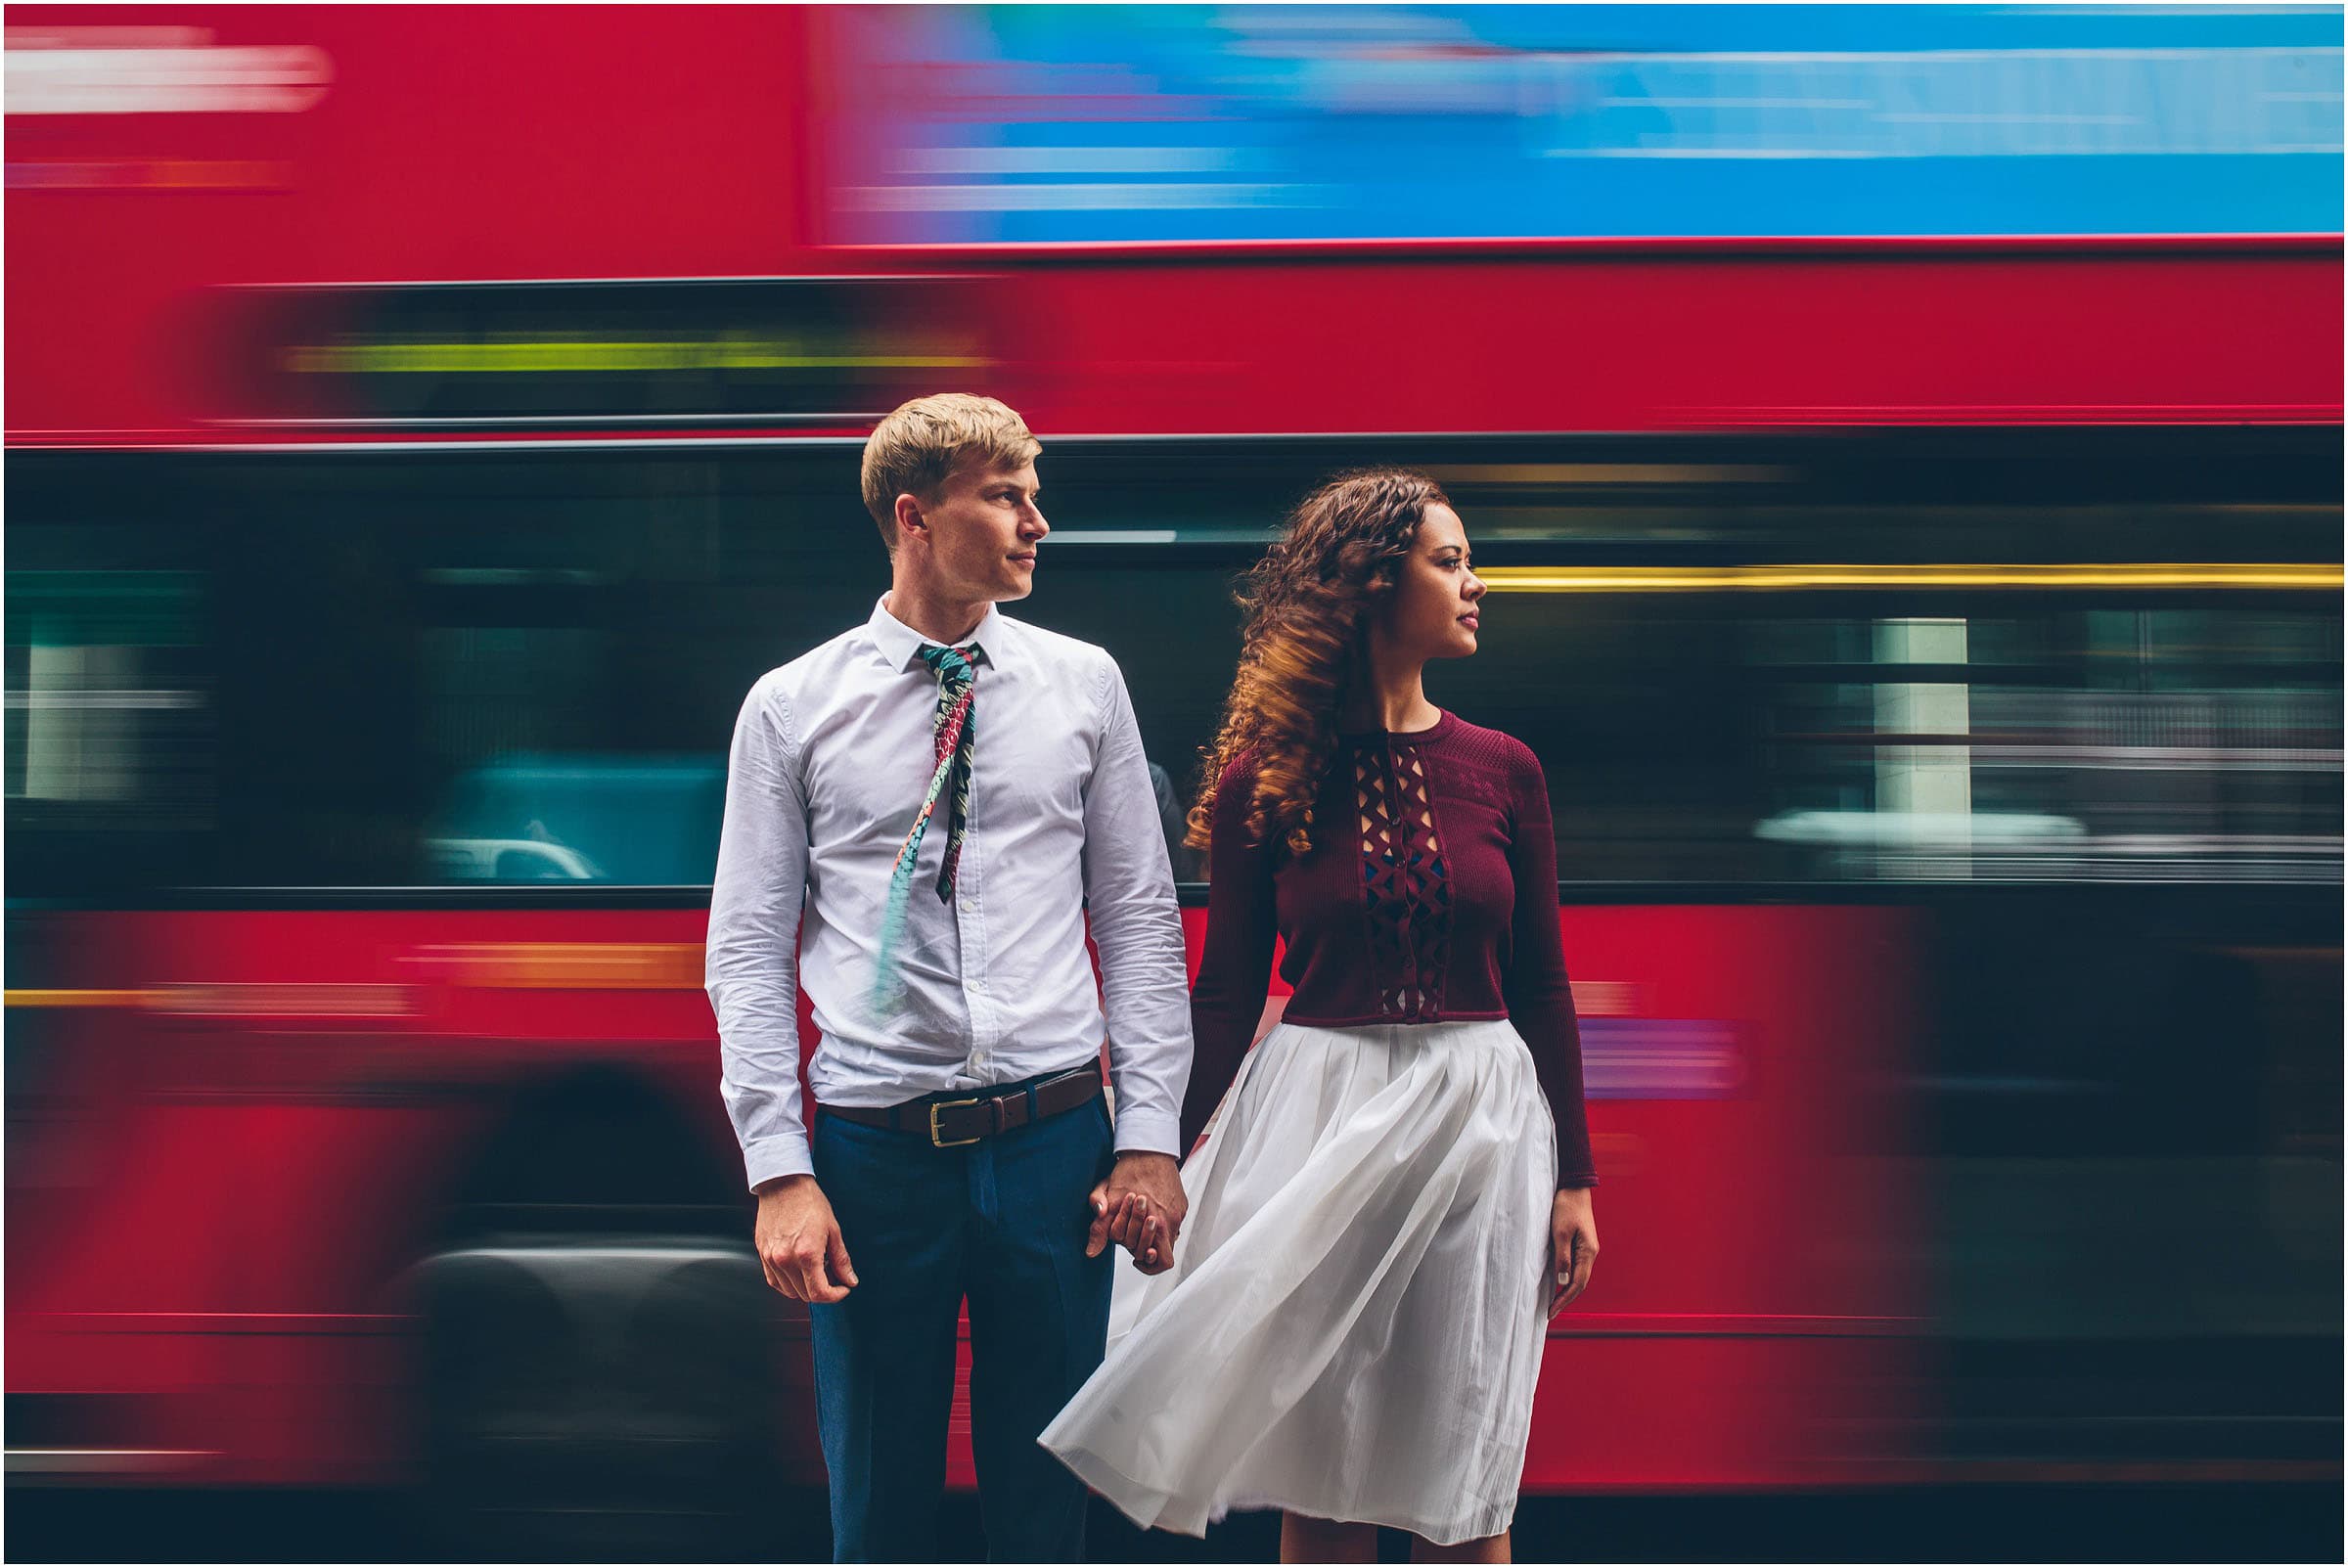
x,y
1309,603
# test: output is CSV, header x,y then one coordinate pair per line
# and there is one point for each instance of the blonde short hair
x,y
913,450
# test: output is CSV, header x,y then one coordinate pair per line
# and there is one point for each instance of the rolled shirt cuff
x,y
1142,1130
784,1154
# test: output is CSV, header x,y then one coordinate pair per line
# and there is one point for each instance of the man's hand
x,y
800,1242
1141,1208
1572,1247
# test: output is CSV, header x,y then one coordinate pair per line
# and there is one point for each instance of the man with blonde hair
x,y
919,815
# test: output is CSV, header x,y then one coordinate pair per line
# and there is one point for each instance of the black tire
x,y
603,1396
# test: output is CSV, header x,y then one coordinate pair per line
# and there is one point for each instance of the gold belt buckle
x,y
937,1139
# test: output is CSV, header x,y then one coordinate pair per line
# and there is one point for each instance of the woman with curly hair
x,y
1393,1200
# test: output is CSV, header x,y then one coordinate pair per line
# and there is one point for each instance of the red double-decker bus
x,y
426,424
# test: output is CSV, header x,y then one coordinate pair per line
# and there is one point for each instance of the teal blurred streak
x,y
644,821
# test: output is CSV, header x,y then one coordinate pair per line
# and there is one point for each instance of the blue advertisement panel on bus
x,y
1077,123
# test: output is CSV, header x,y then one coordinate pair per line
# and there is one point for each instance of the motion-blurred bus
x,y
1906,444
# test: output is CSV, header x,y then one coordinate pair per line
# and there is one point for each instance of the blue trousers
x,y
1001,1222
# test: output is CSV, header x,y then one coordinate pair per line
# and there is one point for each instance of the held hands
x,y
1141,1208
1572,1248
799,1242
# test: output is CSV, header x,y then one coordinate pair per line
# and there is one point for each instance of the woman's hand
x,y
1572,1247
1139,1207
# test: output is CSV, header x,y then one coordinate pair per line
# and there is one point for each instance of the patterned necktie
x,y
951,731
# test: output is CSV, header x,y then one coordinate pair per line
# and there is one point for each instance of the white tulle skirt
x,y
1353,1325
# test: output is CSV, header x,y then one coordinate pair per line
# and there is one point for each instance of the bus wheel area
x,y
599,1368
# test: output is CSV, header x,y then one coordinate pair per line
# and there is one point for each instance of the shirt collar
x,y
901,644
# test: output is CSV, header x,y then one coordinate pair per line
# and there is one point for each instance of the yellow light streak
x,y
1752,579
30,998
484,965
563,356
573,965
1606,474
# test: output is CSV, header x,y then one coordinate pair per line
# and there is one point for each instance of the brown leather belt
x,y
950,1121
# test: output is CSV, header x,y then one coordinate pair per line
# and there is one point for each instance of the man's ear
x,y
909,517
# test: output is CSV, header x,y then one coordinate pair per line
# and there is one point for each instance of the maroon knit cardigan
x,y
1429,895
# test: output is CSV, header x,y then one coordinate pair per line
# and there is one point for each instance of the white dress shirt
x,y
832,755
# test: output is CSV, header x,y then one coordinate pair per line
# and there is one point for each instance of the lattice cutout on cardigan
x,y
1404,881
